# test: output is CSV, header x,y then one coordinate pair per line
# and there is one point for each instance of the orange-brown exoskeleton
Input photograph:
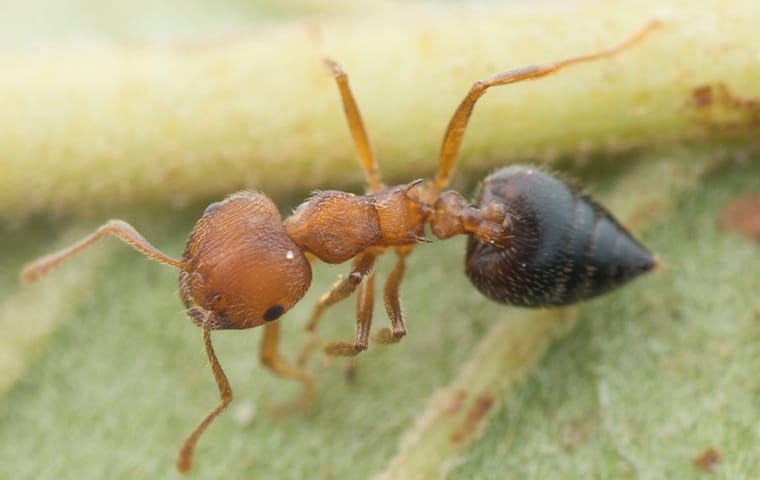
x,y
533,241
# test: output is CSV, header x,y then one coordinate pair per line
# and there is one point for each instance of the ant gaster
x,y
533,241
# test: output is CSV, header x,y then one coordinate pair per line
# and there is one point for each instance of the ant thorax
x,y
336,226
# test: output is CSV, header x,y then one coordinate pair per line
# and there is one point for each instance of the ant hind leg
x,y
452,139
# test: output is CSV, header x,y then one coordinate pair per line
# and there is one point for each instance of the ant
x,y
534,241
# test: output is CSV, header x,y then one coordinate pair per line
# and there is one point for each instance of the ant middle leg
x,y
365,301
362,267
392,303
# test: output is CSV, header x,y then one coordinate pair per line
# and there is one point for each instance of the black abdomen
x,y
565,247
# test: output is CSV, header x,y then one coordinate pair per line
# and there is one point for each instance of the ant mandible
x,y
533,241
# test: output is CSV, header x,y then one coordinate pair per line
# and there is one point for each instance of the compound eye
x,y
273,313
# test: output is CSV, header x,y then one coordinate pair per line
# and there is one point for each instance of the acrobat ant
x,y
534,241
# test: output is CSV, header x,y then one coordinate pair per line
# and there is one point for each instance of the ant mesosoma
x,y
534,241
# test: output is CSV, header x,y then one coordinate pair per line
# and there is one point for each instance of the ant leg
x,y
362,266
185,458
34,270
392,304
356,125
452,139
365,300
271,358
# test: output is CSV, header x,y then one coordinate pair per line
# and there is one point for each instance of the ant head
x,y
241,266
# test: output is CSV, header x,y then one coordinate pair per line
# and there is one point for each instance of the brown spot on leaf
x,y
708,460
742,216
717,107
477,411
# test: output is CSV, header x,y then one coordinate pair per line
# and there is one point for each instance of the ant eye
x,y
273,313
